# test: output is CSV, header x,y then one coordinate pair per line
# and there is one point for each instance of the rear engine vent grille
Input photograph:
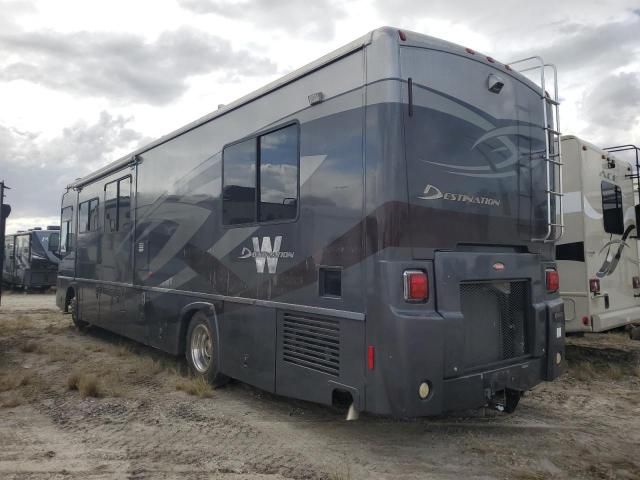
x,y
495,319
311,341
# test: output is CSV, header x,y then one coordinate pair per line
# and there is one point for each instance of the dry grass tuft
x,y
17,324
59,353
196,386
31,346
86,384
583,371
13,380
586,371
12,400
341,472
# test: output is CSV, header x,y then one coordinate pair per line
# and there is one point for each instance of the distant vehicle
x,y
31,260
377,225
598,254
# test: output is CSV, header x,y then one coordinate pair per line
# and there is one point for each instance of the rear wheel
x,y
201,351
75,317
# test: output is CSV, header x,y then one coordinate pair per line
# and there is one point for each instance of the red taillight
x,y
553,280
636,282
371,357
402,35
416,286
594,285
585,321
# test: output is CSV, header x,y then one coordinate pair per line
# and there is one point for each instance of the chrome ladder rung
x,y
551,130
557,194
552,101
555,162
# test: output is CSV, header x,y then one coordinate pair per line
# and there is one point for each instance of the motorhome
x,y
30,259
598,254
377,225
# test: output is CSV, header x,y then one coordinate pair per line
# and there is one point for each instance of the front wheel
x,y
201,351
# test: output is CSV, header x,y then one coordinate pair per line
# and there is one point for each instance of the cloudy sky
x,y
83,82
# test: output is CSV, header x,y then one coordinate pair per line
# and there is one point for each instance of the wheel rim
x,y
201,348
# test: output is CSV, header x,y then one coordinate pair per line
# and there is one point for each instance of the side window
x,y
239,183
66,230
111,207
612,213
279,175
275,156
117,205
83,217
93,215
124,204
88,216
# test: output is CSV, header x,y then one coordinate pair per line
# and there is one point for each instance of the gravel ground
x,y
93,405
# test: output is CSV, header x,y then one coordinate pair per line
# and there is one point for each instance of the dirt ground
x,y
95,406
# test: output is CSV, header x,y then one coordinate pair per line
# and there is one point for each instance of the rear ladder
x,y
552,155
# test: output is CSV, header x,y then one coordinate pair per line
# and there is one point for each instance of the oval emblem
x,y
498,266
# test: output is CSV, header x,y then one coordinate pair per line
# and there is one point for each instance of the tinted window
x,y
54,242
66,230
93,215
83,217
117,205
279,174
124,204
239,183
111,207
88,216
613,216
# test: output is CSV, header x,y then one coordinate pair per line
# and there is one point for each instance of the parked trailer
x,y
31,260
377,224
598,255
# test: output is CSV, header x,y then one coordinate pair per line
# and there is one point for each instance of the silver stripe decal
x,y
346,314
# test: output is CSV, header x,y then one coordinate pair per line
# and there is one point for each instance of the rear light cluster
x,y
636,282
416,286
594,285
552,280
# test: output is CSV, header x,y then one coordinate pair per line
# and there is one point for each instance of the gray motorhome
x,y
30,259
377,224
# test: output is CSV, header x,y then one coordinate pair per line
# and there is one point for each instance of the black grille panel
x,y
311,341
495,320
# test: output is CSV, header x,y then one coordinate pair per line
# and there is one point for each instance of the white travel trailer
x,y
598,253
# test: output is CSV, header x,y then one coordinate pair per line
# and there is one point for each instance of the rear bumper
x,y
607,320
416,352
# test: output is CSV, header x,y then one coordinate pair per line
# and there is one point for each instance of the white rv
x,y
598,253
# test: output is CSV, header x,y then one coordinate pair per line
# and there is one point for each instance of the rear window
x,y
612,213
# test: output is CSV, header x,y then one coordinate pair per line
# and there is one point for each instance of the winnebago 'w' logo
x,y
433,193
266,253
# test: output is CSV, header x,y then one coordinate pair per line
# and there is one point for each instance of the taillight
x,y
552,280
594,285
416,286
636,282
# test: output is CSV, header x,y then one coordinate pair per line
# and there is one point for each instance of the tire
x,y
75,317
201,351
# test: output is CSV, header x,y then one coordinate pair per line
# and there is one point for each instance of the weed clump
x,y
196,386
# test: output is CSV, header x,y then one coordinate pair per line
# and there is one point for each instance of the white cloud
x,y
157,65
